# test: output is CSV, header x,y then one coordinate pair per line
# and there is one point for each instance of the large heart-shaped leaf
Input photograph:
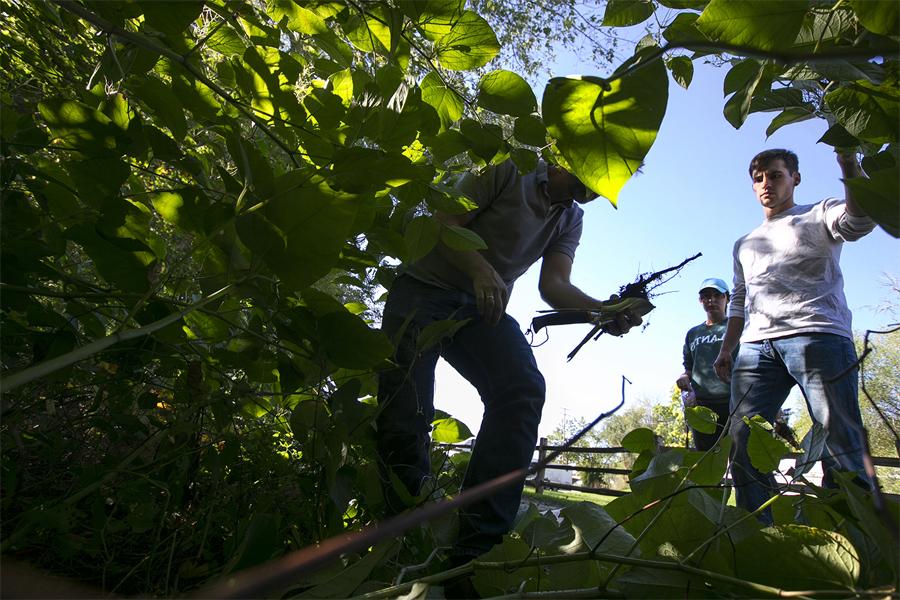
x,y
758,24
604,131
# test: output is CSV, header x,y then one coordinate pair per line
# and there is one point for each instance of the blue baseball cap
x,y
716,284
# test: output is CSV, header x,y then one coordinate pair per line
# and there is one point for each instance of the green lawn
x,y
559,499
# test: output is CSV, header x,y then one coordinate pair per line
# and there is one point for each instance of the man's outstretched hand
x,y
624,320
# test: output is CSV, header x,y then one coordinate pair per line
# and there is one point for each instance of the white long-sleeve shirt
x,y
787,274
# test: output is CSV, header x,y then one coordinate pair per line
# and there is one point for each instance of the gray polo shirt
x,y
517,222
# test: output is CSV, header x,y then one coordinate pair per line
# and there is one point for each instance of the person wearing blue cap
x,y
790,314
701,347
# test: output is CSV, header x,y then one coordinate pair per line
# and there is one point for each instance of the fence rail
x,y
540,482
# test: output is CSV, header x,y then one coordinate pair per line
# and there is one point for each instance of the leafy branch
x,y
11,382
143,42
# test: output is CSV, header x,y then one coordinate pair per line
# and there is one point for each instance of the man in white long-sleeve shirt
x,y
790,315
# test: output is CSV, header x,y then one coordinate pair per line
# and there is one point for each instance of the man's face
x,y
774,186
565,187
579,191
714,303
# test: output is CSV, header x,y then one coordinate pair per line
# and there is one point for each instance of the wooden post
x,y
539,476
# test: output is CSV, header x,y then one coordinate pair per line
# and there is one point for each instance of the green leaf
x,y
764,449
879,196
758,24
525,159
596,530
80,127
530,130
444,99
171,18
498,582
343,583
867,111
885,159
438,331
778,99
794,114
878,16
709,468
738,106
460,238
469,44
683,29
639,440
300,231
682,70
838,137
447,144
118,266
349,342
184,208
299,19
484,140
506,93
625,13
420,236
449,431
448,199
369,33
820,559
226,41
871,520
604,135
162,101
98,179
690,4
701,418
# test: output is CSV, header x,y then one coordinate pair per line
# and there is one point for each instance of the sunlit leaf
x,y
701,419
764,449
867,111
759,24
819,559
470,43
605,134
445,100
639,440
506,93
449,431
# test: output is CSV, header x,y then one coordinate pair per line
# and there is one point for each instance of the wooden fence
x,y
540,482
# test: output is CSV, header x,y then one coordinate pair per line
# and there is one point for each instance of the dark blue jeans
x,y
764,373
498,361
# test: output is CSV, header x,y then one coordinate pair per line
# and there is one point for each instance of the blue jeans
x,y
764,373
498,361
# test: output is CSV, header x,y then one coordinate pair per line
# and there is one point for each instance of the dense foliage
x,y
200,200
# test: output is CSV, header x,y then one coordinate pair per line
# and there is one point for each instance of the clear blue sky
x,y
694,196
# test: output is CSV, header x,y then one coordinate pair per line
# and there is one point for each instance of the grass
x,y
560,499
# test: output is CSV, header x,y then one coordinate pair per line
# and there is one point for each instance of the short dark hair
x,y
767,157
